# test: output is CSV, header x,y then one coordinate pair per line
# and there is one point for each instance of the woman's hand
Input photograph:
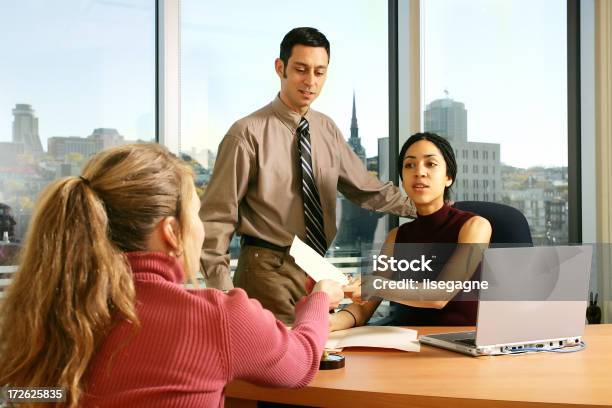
x,y
309,284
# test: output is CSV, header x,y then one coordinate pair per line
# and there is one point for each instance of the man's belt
x,y
258,242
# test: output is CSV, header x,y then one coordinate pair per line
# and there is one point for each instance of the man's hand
x,y
354,286
357,285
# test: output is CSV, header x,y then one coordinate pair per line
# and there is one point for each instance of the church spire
x,y
354,120
354,141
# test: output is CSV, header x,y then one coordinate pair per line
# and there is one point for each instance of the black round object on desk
x,y
331,361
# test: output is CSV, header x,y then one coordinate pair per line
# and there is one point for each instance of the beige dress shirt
x,y
256,186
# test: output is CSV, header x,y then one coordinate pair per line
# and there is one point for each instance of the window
x,y
80,79
227,72
475,169
466,47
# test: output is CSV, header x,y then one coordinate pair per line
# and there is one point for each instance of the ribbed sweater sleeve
x,y
263,351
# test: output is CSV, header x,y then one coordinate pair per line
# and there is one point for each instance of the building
x,y
101,138
59,147
356,226
25,129
383,158
108,137
355,141
205,157
478,172
541,195
447,118
10,152
478,163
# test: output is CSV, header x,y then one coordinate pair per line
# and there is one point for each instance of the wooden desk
x,y
440,378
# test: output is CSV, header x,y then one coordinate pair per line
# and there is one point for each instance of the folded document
x,y
374,336
315,265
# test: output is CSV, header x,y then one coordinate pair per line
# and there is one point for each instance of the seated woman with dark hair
x,y
428,169
98,305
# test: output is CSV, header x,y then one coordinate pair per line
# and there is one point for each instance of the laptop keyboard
x,y
467,342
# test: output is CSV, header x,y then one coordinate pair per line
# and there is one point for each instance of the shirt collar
x,y
288,116
156,263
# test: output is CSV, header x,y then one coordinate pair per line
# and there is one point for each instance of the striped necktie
x,y
313,213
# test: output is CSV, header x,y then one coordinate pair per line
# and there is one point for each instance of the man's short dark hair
x,y
308,36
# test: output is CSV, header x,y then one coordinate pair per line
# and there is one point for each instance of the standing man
x,y
277,174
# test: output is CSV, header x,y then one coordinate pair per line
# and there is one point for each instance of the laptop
x,y
536,301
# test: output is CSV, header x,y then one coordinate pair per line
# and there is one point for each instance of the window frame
x,y
574,162
404,48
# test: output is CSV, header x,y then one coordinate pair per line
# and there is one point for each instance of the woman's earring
x,y
177,254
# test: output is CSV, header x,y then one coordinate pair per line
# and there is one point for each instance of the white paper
x,y
317,267
375,336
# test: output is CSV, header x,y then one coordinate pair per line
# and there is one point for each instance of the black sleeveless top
x,y
442,228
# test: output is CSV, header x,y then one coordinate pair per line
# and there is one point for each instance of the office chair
x,y
509,228
509,224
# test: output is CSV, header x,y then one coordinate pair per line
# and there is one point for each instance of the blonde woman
x,y
98,306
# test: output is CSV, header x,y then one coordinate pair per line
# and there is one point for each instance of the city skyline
x,y
90,81
540,195
193,149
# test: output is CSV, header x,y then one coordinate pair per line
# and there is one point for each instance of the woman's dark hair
x,y
445,148
302,36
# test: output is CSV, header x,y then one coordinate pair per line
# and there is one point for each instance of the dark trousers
x,y
273,278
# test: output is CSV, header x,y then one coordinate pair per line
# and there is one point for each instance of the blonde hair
x,y
73,280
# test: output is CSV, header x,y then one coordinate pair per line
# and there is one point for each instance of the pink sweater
x,y
193,342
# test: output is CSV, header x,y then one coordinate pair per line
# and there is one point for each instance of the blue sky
x,y
85,64
506,60
80,64
228,64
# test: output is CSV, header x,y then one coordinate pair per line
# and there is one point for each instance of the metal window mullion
x,y
404,80
573,122
168,89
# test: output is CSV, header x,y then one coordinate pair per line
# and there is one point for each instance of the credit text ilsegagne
x,y
384,263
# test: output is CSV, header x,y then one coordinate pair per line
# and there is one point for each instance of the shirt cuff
x,y
409,209
218,278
